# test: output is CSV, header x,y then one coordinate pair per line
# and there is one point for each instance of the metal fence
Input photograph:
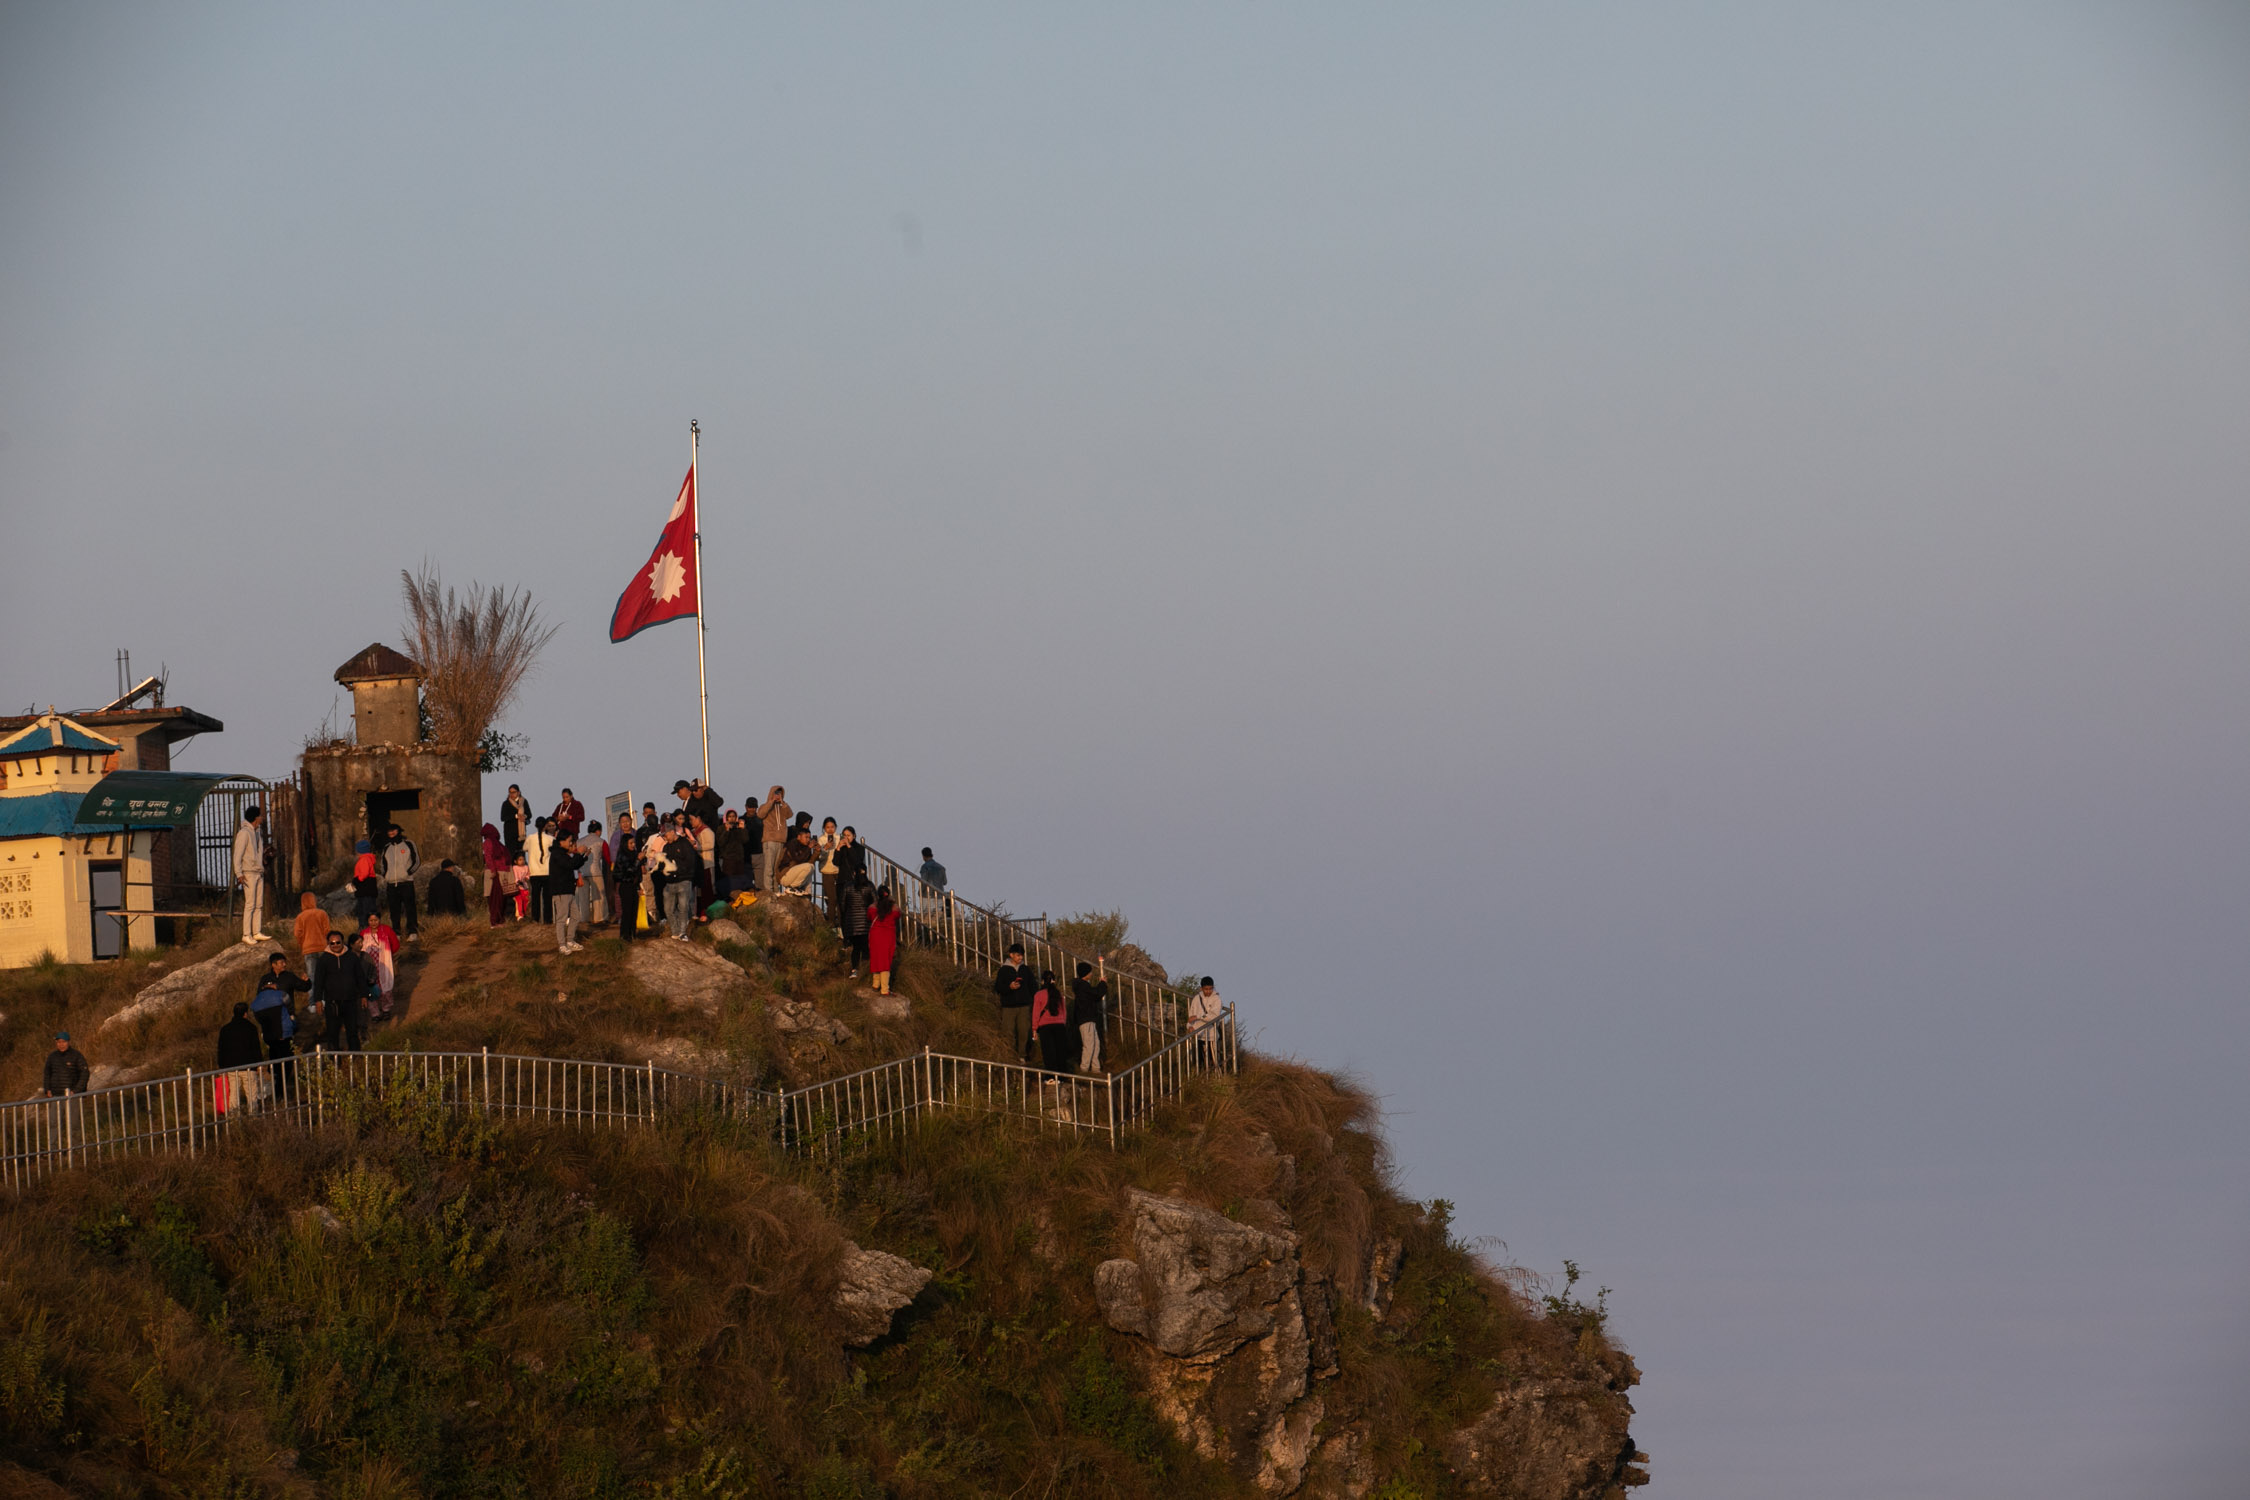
x,y
185,1114
1146,1011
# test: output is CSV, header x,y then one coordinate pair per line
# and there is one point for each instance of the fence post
x,y
484,1077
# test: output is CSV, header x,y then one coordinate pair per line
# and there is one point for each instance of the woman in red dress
x,y
882,941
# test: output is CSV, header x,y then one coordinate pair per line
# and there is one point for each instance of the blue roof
x,y
46,814
46,736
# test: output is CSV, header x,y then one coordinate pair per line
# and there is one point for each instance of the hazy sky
x,y
1670,584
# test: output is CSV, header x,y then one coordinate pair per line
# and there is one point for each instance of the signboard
x,y
617,813
145,799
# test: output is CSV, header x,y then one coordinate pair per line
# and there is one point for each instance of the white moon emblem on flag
x,y
666,577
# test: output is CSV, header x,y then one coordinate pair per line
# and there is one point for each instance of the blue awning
x,y
47,814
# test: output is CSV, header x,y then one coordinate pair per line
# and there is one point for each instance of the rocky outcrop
x,y
805,1019
726,930
1228,1356
1554,1439
870,1289
688,975
237,962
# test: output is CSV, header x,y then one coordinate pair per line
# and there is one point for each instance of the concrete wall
x,y
46,895
387,711
445,826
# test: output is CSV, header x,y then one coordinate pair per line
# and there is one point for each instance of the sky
x,y
1667,585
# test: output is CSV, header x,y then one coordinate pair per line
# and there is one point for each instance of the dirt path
x,y
431,977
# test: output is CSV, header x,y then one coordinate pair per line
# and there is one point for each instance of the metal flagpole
x,y
702,689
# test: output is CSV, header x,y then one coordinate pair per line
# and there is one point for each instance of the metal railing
x,y
1146,1011
892,1095
184,1114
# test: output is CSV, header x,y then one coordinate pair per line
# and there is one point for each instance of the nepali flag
x,y
664,589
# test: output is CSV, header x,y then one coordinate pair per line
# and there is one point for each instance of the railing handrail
x,y
175,1115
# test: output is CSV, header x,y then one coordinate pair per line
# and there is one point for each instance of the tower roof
x,y
51,732
377,662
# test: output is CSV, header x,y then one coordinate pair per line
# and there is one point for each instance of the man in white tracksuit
x,y
250,870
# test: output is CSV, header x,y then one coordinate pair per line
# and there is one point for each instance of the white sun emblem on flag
x,y
666,577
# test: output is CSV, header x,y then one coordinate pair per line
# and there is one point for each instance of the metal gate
x,y
215,823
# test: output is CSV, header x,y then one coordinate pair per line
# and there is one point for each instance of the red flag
x,y
664,589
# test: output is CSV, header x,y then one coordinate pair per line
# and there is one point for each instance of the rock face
x,y
802,1017
726,930
888,1007
1229,1353
1553,1439
871,1289
688,975
237,961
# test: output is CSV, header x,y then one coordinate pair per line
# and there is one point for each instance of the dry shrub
x,y
475,650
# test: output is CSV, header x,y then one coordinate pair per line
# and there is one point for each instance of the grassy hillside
x,y
420,1303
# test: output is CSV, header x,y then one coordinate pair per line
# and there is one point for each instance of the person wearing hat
x,y
699,801
66,1071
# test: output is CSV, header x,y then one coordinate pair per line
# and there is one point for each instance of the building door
x,y
108,883
403,807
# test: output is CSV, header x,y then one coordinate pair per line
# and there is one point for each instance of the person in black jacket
x,y
679,886
340,979
1089,1002
733,848
625,883
448,897
241,1048
1014,985
562,893
66,1071
854,903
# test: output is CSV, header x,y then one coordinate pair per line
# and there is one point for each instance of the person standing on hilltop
x,y
1050,1022
854,902
537,850
312,928
681,885
515,820
1089,1004
339,985
367,883
593,880
773,826
851,859
825,847
250,873
706,837
933,873
625,879
241,1047
562,893
1013,984
66,1071
570,816
733,850
496,877
882,941
400,860
1205,1007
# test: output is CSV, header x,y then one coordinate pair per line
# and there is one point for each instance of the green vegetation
x,y
419,1301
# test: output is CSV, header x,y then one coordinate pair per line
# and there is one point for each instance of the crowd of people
x,y
655,877
668,872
